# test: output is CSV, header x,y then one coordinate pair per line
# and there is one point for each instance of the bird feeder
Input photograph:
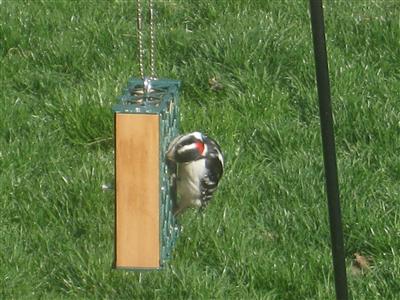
x,y
146,119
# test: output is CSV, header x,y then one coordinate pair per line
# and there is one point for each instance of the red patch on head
x,y
200,146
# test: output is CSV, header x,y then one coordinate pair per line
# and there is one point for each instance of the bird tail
x,y
179,208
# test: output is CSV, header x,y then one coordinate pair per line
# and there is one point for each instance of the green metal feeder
x,y
146,120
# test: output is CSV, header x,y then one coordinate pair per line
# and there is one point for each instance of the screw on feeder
x,y
147,84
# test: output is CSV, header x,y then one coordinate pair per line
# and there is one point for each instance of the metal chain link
x,y
140,35
152,41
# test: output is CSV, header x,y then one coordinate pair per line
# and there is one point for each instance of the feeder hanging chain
x,y
152,41
140,34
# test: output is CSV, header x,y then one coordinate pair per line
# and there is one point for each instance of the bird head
x,y
187,148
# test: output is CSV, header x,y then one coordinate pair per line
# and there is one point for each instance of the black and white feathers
x,y
197,163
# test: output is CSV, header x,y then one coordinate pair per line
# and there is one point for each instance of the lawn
x,y
266,234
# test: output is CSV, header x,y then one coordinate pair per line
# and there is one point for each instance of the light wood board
x,y
137,229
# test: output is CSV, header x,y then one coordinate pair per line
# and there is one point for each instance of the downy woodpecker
x,y
197,165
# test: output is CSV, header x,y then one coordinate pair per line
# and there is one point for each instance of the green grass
x,y
266,234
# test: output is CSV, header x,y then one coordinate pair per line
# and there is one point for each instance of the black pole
x,y
328,144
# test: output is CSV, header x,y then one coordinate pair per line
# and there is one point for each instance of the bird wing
x,y
210,181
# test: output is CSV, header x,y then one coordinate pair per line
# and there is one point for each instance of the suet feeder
x,y
146,119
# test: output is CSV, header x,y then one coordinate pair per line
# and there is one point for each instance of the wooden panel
x,y
137,243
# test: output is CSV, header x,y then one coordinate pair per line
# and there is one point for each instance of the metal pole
x,y
328,143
